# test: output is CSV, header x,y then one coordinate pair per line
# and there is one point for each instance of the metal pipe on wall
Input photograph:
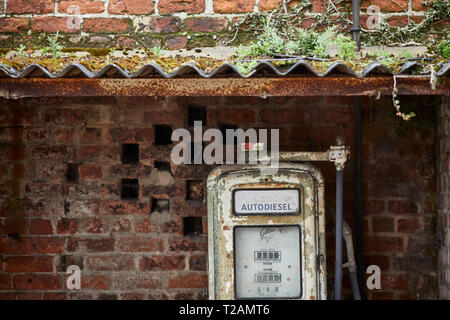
x,y
359,222
339,233
356,29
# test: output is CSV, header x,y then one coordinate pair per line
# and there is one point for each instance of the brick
x,y
37,282
383,244
132,296
373,206
159,25
47,152
145,226
49,245
90,171
176,43
124,42
414,263
398,282
148,281
402,207
382,224
331,114
121,225
188,6
67,226
105,25
233,115
188,245
81,6
172,227
158,263
52,24
140,244
408,225
94,225
266,5
30,6
282,115
29,264
16,246
28,296
16,226
419,5
233,6
119,207
131,7
55,296
110,263
98,245
382,295
206,24
96,282
40,226
5,282
197,263
189,280
14,24
90,135
402,20
386,6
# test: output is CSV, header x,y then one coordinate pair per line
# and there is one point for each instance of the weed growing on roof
x,y
156,51
21,51
302,42
347,48
443,48
54,46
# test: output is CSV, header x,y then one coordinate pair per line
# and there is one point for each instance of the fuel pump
x,y
266,233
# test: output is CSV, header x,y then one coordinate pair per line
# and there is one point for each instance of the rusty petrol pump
x,y
266,233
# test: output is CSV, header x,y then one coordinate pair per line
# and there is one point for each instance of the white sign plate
x,y
266,201
267,262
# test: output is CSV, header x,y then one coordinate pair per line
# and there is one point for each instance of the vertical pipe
x,y
355,288
339,233
359,222
356,29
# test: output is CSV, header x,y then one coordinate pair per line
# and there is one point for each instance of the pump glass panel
x,y
266,201
267,262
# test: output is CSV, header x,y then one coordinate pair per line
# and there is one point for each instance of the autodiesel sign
x,y
266,201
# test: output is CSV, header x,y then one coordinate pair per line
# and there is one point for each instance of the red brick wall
x,y
60,192
171,23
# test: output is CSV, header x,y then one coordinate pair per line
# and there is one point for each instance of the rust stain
x,y
263,87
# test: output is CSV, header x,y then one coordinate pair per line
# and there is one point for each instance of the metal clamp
x,y
339,155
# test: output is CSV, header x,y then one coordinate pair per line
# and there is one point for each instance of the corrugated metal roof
x,y
262,68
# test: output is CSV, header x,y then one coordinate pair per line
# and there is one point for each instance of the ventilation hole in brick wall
x,y
162,166
194,190
196,113
72,173
130,153
192,226
130,189
163,135
160,205
223,128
